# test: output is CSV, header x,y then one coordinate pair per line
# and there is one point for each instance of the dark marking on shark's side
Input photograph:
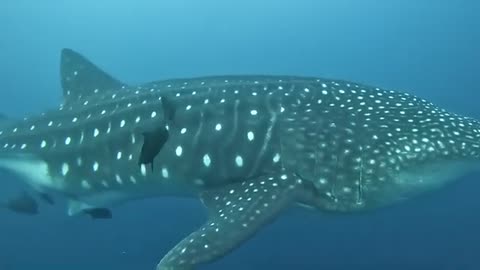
x,y
247,146
153,142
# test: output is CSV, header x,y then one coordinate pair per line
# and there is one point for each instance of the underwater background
x,y
426,47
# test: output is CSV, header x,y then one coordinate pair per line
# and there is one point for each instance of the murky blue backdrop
x,y
427,47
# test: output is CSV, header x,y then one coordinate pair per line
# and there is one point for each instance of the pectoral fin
x,y
236,212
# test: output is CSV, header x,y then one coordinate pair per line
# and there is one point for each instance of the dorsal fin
x,y
81,78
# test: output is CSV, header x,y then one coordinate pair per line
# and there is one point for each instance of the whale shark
x,y
248,147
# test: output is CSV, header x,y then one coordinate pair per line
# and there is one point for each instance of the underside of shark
x,y
247,146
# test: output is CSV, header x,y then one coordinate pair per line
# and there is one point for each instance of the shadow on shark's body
x,y
247,146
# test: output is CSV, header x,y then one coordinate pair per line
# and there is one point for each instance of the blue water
x,y
427,47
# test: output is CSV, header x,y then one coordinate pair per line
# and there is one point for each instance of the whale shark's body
x,y
247,146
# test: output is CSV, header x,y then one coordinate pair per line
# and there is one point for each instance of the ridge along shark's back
x,y
248,146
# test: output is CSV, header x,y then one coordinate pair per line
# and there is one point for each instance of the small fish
x,y
23,204
98,213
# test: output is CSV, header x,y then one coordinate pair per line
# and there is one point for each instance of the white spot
x,y
206,160
178,151
32,127
23,146
68,140
239,161
79,161
132,179
118,179
122,123
165,172
253,112
199,182
96,132
143,170
276,157
250,136
43,144
188,107
183,131
119,155
95,166
50,123
85,184
154,114
218,127
75,119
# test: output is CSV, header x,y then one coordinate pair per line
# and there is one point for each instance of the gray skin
x,y
248,146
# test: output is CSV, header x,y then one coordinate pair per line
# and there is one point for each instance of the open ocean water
x,y
429,48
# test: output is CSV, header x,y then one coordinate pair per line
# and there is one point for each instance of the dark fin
x,y
168,109
81,78
99,213
236,212
153,142
46,198
22,204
